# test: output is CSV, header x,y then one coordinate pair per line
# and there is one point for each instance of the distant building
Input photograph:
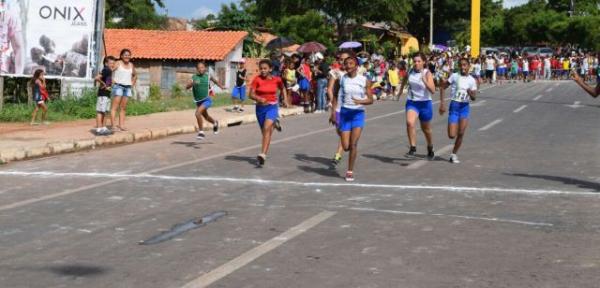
x,y
392,31
166,58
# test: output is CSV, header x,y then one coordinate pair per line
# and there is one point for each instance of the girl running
x,y
124,78
332,91
354,94
463,88
418,104
263,90
40,95
200,85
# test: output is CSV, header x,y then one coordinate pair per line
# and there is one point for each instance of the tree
x,y
311,26
233,18
134,14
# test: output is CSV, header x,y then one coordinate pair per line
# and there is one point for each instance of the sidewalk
x,y
20,141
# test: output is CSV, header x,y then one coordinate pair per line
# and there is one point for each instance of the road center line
x,y
253,254
479,103
549,89
420,163
460,189
488,126
537,97
451,216
520,109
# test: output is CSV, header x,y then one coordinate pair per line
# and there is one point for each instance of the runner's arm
x,y
589,89
217,82
133,75
429,82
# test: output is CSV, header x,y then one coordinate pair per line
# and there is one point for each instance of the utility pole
x,y
431,24
571,8
100,20
475,27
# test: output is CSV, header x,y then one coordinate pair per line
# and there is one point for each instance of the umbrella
x,y
311,47
349,45
279,43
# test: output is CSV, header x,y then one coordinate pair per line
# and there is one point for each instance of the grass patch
x,y
85,107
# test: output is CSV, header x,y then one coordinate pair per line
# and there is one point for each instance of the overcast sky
x,y
201,8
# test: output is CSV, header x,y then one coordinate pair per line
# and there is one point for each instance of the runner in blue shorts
x,y
202,91
354,94
333,88
463,88
418,105
238,95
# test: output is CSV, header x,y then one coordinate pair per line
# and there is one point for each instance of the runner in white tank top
x,y
418,104
332,92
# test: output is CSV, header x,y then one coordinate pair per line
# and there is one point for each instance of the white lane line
x,y
520,109
479,103
451,216
488,126
253,254
420,163
173,166
549,89
537,97
460,189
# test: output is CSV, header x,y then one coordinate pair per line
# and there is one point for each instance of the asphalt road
x,y
521,210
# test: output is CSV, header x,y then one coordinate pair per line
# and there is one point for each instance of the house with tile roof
x,y
166,58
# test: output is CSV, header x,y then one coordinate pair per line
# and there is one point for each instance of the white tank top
x,y
417,91
122,75
352,88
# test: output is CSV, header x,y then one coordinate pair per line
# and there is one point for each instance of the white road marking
x,y
488,126
575,105
479,103
520,109
549,89
420,163
451,216
253,254
538,97
460,189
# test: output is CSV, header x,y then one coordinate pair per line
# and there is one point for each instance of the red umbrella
x,y
311,47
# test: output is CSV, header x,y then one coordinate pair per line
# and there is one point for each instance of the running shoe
x,y
216,127
240,110
277,125
261,159
337,158
200,135
454,159
412,151
430,153
349,176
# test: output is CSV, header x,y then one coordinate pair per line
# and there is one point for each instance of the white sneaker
x,y
454,159
200,136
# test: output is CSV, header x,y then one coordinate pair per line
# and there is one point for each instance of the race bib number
x,y
461,96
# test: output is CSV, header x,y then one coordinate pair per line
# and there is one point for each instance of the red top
x,y
534,64
267,88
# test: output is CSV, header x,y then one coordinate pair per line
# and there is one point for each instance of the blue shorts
x,y
239,93
423,108
501,71
351,118
121,90
266,112
458,111
337,120
207,102
525,73
304,84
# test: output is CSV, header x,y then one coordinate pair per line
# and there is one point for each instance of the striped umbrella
x,y
311,47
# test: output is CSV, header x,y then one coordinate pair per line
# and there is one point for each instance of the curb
x,y
69,146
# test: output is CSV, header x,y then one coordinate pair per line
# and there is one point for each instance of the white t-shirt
x,y
417,91
459,85
352,88
547,64
477,69
489,64
337,74
525,66
501,62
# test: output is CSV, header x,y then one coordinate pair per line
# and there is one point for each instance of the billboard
x,y
54,35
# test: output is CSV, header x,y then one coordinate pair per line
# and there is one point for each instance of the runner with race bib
x,y
463,88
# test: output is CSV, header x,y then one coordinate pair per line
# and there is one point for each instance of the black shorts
x,y
489,74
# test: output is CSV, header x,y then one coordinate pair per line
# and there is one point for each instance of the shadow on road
x,y
566,180
77,270
247,159
326,172
389,160
190,144
321,160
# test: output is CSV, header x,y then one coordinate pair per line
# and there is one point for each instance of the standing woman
x,y
40,95
418,104
124,78
263,90
355,93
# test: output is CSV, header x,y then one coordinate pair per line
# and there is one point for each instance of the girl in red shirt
x,y
263,90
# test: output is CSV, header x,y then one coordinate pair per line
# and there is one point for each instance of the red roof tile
x,y
158,44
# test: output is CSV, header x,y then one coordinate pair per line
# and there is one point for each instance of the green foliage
x,y
139,14
233,18
178,92
304,28
155,94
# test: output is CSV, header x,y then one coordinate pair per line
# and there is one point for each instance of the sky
x,y
194,8
201,8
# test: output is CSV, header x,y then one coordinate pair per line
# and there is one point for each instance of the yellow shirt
x,y
393,77
565,64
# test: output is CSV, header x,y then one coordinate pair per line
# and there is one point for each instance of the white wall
x,y
234,56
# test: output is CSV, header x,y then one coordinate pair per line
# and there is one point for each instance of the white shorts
x,y
103,104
